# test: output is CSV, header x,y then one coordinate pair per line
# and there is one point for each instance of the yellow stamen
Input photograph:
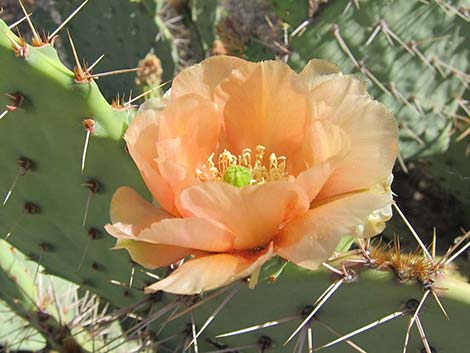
x,y
275,169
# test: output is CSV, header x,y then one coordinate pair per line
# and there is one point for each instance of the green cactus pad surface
x,y
123,31
43,311
414,54
63,157
45,213
373,295
24,293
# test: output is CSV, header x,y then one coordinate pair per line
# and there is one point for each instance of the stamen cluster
x,y
274,170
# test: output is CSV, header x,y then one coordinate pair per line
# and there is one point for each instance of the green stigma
x,y
238,176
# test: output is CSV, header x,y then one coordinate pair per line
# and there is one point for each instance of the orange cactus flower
x,y
251,160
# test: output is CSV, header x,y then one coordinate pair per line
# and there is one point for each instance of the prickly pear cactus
x,y
414,54
52,210
452,169
277,308
131,28
21,293
63,156
12,332
43,311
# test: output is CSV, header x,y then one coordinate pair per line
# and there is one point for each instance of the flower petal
x,y
195,233
267,107
373,134
324,146
310,239
323,141
210,272
253,213
317,71
130,214
334,91
153,255
189,131
129,207
122,230
375,222
203,78
313,179
141,138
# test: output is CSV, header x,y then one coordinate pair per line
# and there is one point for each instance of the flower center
x,y
247,168
238,176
